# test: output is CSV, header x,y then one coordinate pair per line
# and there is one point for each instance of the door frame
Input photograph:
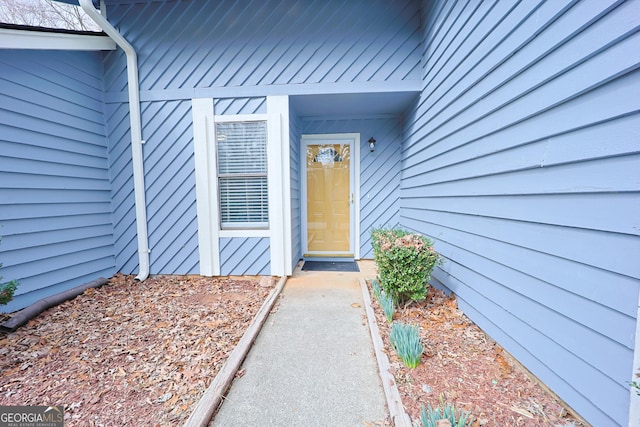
x,y
354,183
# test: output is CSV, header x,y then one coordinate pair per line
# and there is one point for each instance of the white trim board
x,y
409,86
50,40
280,192
279,183
205,161
355,174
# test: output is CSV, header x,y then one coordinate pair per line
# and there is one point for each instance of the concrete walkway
x,y
313,362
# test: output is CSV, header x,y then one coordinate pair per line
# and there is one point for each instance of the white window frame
x,y
278,184
251,229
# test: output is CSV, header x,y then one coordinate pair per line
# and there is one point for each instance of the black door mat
x,y
348,266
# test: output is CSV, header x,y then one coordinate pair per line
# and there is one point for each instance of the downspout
x,y
136,134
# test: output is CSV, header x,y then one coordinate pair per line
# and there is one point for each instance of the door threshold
x,y
316,257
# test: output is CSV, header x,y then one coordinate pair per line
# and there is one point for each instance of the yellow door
x,y
328,198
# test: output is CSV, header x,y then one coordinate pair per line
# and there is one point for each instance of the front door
x,y
328,197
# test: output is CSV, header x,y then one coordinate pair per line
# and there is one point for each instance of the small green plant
x,y
388,306
405,340
635,385
429,417
7,290
405,262
375,286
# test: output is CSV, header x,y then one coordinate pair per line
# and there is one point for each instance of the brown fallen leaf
x,y
172,401
456,348
160,344
521,412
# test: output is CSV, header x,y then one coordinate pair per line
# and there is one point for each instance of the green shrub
x,y
405,340
7,290
405,262
430,417
388,306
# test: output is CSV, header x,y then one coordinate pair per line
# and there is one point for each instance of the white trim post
x,y
279,185
356,191
206,186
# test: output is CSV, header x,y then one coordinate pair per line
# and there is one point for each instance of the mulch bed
x,y
467,368
129,353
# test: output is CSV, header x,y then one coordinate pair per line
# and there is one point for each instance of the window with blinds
x,y
242,174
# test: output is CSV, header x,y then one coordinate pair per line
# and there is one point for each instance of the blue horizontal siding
x,y
520,161
55,207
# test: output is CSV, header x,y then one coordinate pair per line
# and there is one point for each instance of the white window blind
x,y
242,174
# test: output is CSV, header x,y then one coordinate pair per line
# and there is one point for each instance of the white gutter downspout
x,y
136,134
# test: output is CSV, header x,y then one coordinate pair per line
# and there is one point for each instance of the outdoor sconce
x,y
372,144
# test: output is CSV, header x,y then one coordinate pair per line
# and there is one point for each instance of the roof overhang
x,y
20,37
342,105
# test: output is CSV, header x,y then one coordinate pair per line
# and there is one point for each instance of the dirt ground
x,y
129,353
467,368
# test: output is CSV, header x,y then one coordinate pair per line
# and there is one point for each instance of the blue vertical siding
x,y
520,161
244,256
295,134
379,170
55,209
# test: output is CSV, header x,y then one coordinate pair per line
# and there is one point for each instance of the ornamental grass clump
x,y
388,306
430,417
405,262
375,286
405,340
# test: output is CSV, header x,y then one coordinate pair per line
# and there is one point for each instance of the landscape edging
x,y
394,403
212,397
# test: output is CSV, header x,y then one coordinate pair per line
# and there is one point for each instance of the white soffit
x,y
45,40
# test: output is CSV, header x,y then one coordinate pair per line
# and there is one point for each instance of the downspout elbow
x,y
143,271
136,134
